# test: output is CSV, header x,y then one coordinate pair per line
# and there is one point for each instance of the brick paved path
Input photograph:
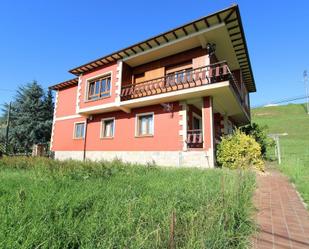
x,y
282,218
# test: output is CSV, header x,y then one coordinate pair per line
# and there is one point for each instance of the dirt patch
x,y
264,114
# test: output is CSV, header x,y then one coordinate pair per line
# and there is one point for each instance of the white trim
x,y
118,80
94,77
101,127
177,92
79,122
136,122
183,122
176,41
54,120
78,93
68,117
99,107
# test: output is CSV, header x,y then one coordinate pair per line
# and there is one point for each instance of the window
x,y
196,123
108,128
79,130
144,125
179,73
179,77
99,88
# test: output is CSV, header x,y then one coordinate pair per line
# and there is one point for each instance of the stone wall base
x,y
199,159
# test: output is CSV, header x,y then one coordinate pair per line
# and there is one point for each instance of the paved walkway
x,y
283,220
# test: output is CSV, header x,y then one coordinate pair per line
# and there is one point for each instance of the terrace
x,y
186,79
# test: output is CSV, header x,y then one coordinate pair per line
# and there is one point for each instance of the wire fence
x,y
292,158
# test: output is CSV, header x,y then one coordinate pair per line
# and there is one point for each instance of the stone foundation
x,y
199,159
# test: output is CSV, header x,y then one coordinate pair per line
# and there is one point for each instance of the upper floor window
x,y
144,125
179,77
79,130
99,88
179,73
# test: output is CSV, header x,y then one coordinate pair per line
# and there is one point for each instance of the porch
x,y
205,124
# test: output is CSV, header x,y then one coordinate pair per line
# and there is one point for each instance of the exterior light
x,y
211,48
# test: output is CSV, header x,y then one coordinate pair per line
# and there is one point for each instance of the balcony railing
x,y
194,138
210,74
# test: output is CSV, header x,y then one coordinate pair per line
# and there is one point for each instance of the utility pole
x,y
7,129
305,74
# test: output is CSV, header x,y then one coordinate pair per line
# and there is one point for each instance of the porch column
x,y
208,132
183,123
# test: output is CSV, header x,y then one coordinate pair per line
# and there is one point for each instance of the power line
x,y
284,100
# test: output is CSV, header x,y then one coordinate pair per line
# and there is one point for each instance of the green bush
x,y
259,133
240,151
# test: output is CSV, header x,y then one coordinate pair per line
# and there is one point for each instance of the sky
x,y
42,40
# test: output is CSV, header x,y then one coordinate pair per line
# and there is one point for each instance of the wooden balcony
x,y
194,139
210,74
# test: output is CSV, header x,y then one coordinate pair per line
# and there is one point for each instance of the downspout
x,y
85,140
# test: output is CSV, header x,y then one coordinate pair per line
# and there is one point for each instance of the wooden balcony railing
x,y
194,138
210,74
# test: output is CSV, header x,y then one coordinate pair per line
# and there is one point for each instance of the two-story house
x,y
167,99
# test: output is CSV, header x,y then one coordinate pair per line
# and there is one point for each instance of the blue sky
x,y
42,40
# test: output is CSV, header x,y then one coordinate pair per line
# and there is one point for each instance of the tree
x,y
31,117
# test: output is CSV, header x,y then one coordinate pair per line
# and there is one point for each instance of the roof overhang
x,y
231,19
65,84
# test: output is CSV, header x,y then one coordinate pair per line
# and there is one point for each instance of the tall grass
x,y
52,204
298,171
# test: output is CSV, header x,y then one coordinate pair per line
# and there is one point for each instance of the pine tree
x,y
31,117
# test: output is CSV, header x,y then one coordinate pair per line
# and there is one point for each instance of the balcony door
x,y
196,122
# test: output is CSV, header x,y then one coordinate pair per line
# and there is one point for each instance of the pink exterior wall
x,y
166,132
112,68
66,102
63,136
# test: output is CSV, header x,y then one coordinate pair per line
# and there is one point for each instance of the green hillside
x,y
294,120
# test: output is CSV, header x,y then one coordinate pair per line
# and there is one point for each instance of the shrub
x,y
259,133
240,151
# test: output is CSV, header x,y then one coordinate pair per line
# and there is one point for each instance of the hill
x,y
294,120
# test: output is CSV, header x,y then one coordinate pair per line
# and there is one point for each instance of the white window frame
x,y
137,116
102,125
87,81
74,129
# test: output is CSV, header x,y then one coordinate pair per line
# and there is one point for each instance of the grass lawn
x,y
50,204
294,120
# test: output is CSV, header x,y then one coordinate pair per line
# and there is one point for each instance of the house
x,y
167,99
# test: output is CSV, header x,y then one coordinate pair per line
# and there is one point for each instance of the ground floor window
x,y
79,130
108,128
144,124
